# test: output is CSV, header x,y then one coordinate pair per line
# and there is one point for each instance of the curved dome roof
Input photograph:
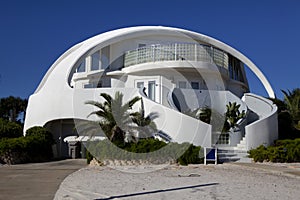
x,y
66,62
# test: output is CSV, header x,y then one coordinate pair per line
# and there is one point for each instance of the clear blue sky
x,y
33,34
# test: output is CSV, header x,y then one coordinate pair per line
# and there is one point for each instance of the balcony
x,y
177,52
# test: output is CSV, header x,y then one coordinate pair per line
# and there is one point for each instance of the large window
x,y
105,57
95,61
235,69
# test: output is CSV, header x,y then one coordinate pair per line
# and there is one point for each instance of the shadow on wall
x,y
196,99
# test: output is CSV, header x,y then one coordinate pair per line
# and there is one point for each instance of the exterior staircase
x,y
234,154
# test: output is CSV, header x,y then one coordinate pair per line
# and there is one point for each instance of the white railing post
x,y
175,51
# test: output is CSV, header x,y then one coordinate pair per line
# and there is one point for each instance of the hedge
x,y
151,150
282,151
36,146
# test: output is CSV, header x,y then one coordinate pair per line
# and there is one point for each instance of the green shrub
x,y
190,156
10,129
258,154
282,151
39,143
89,157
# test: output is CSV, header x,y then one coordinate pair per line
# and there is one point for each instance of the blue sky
x,y
34,34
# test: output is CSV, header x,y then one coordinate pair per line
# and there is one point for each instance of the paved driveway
x,y
35,181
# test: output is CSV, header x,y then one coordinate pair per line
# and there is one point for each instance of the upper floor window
x,y
140,84
81,67
195,85
142,45
88,85
93,85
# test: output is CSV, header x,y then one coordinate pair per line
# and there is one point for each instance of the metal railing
x,y
176,52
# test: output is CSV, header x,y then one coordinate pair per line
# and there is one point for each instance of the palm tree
x,y
204,114
233,115
146,126
209,116
292,101
114,116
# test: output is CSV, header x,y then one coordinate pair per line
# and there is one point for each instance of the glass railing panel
x,y
204,53
174,52
218,57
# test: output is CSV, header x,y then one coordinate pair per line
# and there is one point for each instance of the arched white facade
x,y
60,97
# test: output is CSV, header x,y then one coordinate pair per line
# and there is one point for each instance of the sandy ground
x,y
227,181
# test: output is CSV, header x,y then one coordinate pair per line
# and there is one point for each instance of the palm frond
x,y
133,101
107,97
95,103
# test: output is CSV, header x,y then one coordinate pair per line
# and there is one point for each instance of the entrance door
x,y
150,88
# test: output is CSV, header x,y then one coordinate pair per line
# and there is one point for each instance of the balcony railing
x,y
176,52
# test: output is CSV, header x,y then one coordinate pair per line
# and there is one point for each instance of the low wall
x,y
265,130
181,128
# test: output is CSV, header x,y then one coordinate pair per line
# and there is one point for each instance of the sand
x,y
174,182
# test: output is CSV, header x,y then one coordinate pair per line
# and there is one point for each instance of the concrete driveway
x,y
35,181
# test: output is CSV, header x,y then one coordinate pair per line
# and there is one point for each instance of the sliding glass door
x,y
151,90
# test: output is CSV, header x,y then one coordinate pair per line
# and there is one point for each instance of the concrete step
x,y
243,142
232,154
245,160
240,148
232,150
226,160
241,145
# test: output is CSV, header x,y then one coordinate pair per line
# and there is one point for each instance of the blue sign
x,y
211,155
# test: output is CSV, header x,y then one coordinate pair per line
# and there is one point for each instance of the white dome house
x,y
174,71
